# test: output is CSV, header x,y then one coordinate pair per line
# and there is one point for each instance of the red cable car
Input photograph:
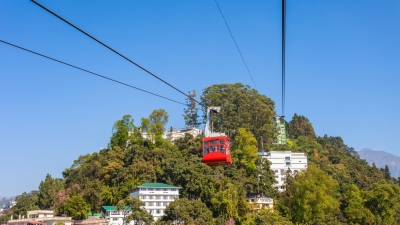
x,y
216,151
215,146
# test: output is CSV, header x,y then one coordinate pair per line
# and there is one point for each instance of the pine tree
x,y
190,113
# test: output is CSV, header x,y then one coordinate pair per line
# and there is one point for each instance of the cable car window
x,y
222,148
206,143
205,150
214,142
222,142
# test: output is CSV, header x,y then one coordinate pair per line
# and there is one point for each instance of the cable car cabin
x,y
216,151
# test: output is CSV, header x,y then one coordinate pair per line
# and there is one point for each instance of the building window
x,y
158,197
115,219
283,179
252,200
171,197
287,163
276,171
158,204
143,189
114,212
150,203
158,212
287,157
150,196
165,197
151,189
143,197
165,189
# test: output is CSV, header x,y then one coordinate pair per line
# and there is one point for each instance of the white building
x,y
114,216
40,217
281,162
156,197
176,134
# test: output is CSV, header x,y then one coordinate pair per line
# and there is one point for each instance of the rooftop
x,y
155,185
113,208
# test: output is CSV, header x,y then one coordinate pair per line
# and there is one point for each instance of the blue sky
x,y
342,71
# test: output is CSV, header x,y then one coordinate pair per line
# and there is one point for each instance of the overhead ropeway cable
x,y
87,71
283,54
116,52
237,47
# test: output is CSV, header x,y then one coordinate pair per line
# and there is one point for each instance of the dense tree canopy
x,y
337,187
241,107
300,126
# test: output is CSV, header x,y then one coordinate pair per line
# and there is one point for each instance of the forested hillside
x,y
337,188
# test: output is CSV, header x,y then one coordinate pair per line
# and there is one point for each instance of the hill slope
x,y
381,158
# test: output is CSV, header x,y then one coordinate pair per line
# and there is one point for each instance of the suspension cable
x,y
126,58
283,54
237,47
119,82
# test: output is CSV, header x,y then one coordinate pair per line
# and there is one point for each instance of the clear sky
x,y
342,71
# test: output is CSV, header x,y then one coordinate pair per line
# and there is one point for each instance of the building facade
x,y
156,197
285,163
40,217
259,201
114,216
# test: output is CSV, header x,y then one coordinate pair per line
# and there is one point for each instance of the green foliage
x,y
244,150
266,217
338,187
241,107
59,223
25,203
300,126
121,132
190,113
354,209
48,193
154,126
311,197
383,200
76,207
139,215
185,211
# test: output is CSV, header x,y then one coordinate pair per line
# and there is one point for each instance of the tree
x,y
244,150
354,206
76,207
25,203
226,202
184,211
300,126
311,197
383,200
241,107
386,173
190,113
139,215
121,132
154,126
47,194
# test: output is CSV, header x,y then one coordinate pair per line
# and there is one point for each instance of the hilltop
x,y
337,188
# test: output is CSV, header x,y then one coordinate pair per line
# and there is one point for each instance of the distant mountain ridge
x,y
381,158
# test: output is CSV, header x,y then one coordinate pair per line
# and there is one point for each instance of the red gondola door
x,y
216,151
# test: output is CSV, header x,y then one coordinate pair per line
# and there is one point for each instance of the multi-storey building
x,y
259,201
285,163
156,197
